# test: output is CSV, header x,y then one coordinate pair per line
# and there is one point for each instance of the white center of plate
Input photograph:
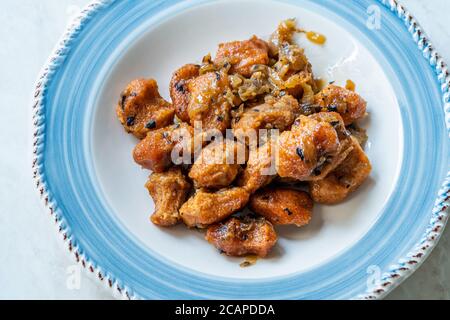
x,y
184,38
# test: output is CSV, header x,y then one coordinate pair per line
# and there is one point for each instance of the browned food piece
x,y
154,152
303,150
206,208
208,103
179,92
335,120
240,237
260,170
282,206
345,179
273,114
347,103
142,109
243,55
169,191
218,164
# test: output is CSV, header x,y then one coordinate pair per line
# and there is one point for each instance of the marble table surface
x,y
35,264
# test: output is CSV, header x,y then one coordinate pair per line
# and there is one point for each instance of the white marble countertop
x,y
34,262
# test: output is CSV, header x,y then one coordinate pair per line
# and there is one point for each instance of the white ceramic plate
x,y
96,190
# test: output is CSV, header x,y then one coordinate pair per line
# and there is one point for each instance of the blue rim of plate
x,y
412,221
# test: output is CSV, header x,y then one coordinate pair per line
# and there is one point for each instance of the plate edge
x,y
391,279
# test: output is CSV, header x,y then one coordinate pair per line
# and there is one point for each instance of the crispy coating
x,y
282,206
179,92
243,55
273,114
218,164
260,170
169,191
240,237
335,120
345,179
206,208
154,152
142,109
347,103
305,148
208,103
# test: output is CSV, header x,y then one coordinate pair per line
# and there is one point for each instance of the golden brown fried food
x,y
208,103
345,179
169,191
260,170
304,149
218,164
154,152
347,103
273,114
282,206
335,120
206,208
142,109
240,237
179,92
243,55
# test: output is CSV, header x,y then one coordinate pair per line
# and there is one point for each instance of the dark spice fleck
x,y
300,153
151,124
289,212
123,99
332,108
220,118
317,171
256,110
217,76
179,86
334,123
130,121
331,82
133,94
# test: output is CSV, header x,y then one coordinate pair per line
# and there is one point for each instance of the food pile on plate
x,y
249,141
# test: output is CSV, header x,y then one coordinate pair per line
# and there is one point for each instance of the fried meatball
x,y
240,237
282,206
273,114
347,103
142,109
345,179
154,152
169,191
260,170
218,164
303,150
243,55
206,208
208,103
179,92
